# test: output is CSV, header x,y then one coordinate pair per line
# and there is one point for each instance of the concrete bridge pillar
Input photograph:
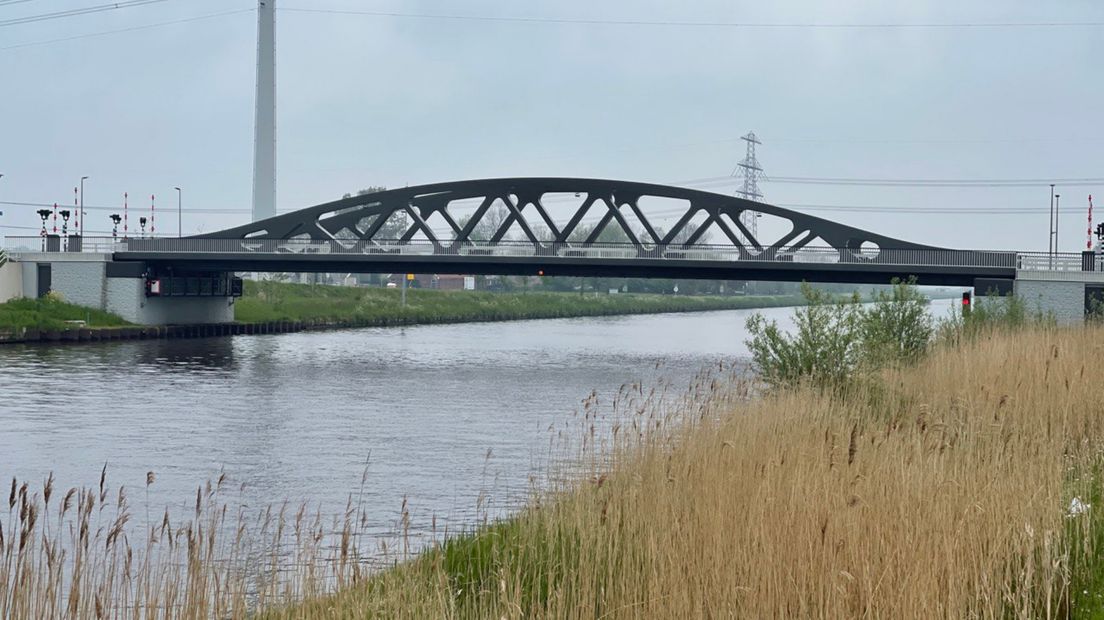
x,y
123,288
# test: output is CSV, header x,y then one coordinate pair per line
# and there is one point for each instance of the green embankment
x,y
277,301
51,314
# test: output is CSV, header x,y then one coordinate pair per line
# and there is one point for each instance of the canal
x,y
453,418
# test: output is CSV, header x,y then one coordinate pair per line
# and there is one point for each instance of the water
x,y
445,413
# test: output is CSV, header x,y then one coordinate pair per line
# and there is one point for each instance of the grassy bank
x,y
51,314
277,301
940,489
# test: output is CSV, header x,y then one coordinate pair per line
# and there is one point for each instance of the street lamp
x,y
1050,223
179,199
80,231
1056,201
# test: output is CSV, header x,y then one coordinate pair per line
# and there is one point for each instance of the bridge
x,y
550,227
416,229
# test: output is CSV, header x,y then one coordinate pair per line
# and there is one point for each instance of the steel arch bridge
x,y
364,218
547,226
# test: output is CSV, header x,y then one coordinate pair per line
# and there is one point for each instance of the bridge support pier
x,y
1068,296
124,288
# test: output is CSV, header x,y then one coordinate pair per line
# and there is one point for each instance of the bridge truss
x,y
554,215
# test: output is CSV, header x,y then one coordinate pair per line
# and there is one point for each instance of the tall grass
x,y
940,489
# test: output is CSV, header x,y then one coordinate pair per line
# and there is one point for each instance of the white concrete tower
x,y
264,143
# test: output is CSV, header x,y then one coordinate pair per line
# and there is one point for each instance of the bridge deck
x,y
713,262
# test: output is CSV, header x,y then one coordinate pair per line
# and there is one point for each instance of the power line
x,y
1082,181
700,24
9,2
1025,182
31,19
130,29
49,205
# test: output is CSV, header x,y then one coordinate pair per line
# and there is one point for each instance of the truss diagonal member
x,y
679,225
733,237
575,219
624,224
375,227
634,206
544,216
504,227
473,221
456,230
417,223
804,241
745,232
788,237
599,227
516,214
697,234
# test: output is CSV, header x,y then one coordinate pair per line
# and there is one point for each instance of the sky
x,y
146,98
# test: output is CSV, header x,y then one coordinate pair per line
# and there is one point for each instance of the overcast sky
x,y
399,100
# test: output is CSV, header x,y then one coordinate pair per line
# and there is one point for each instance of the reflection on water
x,y
296,416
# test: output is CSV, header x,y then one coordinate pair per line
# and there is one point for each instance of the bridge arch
x,y
365,221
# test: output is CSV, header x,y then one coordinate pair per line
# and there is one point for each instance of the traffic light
x,y
967,300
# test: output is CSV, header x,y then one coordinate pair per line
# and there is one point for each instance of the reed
x,y
944,488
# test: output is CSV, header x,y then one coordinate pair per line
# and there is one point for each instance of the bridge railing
x,y
1045,261
291,248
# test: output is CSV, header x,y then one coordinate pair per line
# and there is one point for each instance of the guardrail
x,y
613,251
598,250
1043,261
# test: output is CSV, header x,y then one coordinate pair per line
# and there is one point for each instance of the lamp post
x,y
1050,224
80,231
179,200
1056,202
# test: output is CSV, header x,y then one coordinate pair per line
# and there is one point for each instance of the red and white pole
x,y
153,228
76,212
1088,244
124,216
55,218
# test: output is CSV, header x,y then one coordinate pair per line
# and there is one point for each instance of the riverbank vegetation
x,y
956,478
52,313
281,301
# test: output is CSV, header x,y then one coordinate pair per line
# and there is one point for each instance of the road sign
x,y
409,276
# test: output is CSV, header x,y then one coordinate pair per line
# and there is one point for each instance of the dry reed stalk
x,y
952,501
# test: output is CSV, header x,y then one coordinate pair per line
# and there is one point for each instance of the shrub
x,y
834,338
897,327
825,349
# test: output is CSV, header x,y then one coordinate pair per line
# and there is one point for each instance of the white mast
x,y
264,144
